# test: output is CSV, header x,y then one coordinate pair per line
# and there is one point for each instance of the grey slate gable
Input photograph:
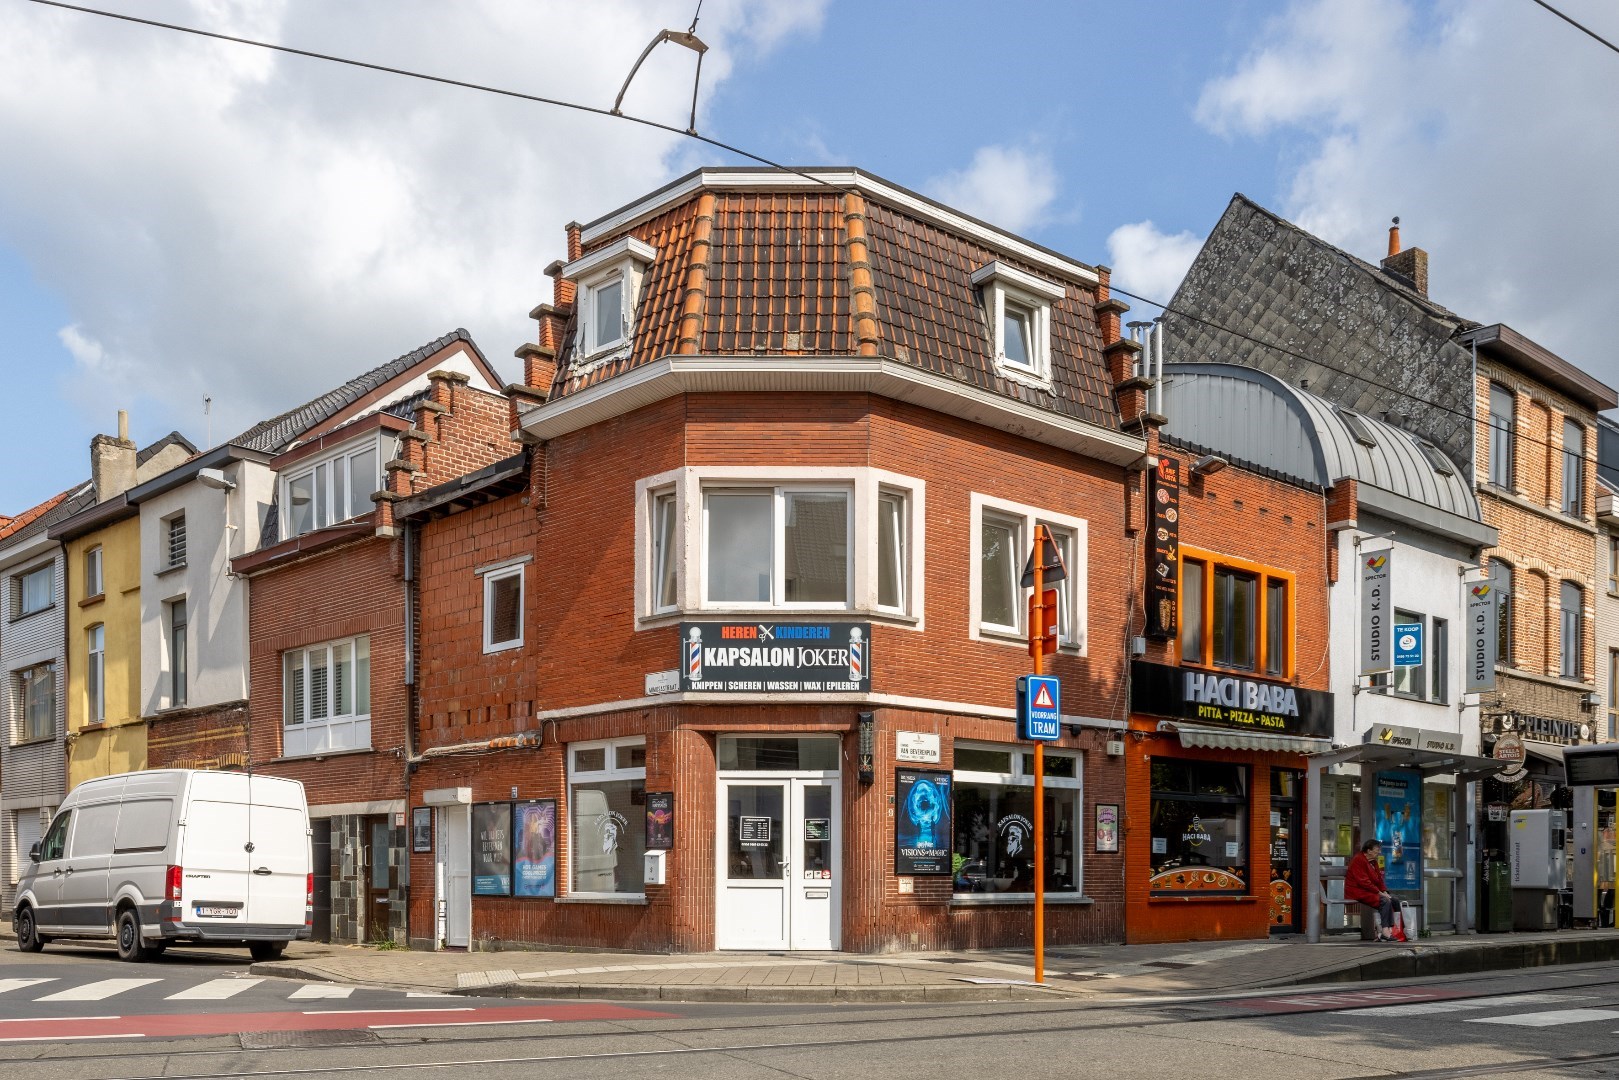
x,y
275,434
1260,275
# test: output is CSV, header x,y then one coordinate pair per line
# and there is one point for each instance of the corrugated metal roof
x,y
1251,416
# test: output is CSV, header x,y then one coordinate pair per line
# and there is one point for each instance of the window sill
x,y
1014,899
585,363
625,899
322,755
676,616
169,569
1550,512
91,601
1019,639
34,742
504,646
21,615
1223,898
1022,376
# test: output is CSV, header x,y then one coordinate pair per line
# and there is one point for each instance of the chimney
x,y
1410,266
112,461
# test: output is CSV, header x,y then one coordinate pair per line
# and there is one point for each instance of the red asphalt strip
x,y
236,1023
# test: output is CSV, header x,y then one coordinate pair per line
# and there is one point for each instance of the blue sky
x,y
181,218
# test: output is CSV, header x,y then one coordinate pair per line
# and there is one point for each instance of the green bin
x,y
1495,898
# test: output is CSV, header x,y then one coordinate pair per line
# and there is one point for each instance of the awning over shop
x,y
1545,754
1227,739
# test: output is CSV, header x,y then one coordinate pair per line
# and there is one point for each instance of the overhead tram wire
x,y
594,110
1582,28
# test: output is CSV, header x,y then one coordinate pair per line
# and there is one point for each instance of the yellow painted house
x,y
102,547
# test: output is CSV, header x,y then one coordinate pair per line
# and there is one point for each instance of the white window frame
x,y
337,458
19,590
663,560
578,777
492,575
1073,591
625,260
169,527
335,732
778,494
1018,778
94,573
1001,284
95,686
690,550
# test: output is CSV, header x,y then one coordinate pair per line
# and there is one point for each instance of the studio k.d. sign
x,y
1211,697
775,658
1376,612
1481,599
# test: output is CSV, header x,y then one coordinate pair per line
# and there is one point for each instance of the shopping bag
x,y
1396,932
1408,920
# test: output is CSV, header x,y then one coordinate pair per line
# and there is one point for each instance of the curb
x,y
1425,962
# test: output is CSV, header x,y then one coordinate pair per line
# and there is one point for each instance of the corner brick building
x,y
749,601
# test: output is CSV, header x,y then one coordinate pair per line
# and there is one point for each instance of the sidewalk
x,y
1085,972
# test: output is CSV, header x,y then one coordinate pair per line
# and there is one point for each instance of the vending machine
x,y
1537,849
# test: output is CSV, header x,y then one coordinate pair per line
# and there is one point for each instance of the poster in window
x,y
1107,827
921,822
534,871
660,820
492,849
1398,809
421,828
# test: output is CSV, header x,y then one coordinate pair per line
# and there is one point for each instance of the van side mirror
x,y
33,853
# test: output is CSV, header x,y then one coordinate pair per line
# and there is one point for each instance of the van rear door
x,y
215,858
278,887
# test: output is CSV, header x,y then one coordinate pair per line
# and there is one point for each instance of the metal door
x,y
455,873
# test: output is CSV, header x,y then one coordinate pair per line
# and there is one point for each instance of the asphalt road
x,y
78,1014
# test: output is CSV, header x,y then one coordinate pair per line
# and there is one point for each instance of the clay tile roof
x,y
15,526
274,434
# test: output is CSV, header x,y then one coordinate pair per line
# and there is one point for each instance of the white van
x,y
172,855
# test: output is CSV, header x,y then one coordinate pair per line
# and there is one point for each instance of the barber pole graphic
x,y
694,656
857,655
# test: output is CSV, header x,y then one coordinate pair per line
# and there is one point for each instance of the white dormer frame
x,y
622,262
1001,285
330,478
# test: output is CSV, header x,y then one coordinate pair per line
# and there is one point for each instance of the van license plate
x,y
206,912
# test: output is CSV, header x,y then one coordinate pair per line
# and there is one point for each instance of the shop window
x,y
1570,636
1573,469
1425,681
1502,440
994,821
1235,615
607,801
1199,828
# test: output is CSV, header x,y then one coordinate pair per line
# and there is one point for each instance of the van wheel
x,y
130,946
28,939
267,950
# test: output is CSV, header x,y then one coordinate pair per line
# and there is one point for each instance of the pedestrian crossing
x,y
1531,1010
52,990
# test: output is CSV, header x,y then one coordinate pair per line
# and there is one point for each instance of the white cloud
x,y
224,220
1148,262
1484,124
1008,186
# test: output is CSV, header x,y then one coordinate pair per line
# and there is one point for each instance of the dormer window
x,y
1018,307
333,488
609,280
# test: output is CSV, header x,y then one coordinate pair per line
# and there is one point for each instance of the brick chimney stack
x,y
112,461
1409,267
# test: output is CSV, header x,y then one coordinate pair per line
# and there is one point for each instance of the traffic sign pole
x,y
1038,632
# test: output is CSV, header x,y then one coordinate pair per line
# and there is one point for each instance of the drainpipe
x,y
408,763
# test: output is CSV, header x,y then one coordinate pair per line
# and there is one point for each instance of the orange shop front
x,y
1215,832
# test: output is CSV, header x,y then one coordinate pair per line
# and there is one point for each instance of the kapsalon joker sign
x,y
775,658
1234,701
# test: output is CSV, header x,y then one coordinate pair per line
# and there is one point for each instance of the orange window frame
x,y
1213,561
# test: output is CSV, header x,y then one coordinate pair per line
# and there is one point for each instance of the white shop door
x,y
779,863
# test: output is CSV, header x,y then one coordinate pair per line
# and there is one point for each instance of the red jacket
x,y
1363,881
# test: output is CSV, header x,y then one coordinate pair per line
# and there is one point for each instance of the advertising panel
x,y
1163,548
492,849
1376,612
660,820
1397,807
775,658
1480,599
922,827
535,870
